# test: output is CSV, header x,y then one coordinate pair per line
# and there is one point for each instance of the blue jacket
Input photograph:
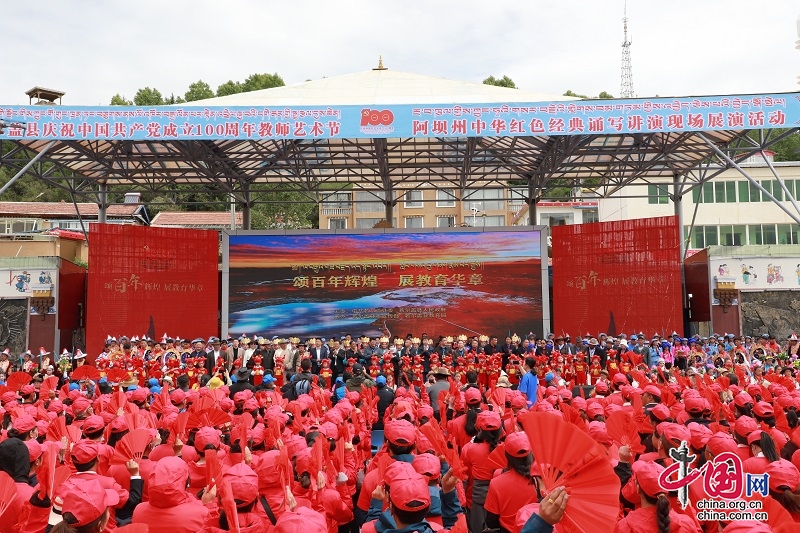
x,y
535,524
529,384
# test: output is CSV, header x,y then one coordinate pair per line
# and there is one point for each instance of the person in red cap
x,y
244,488
401,437
85,458
15,462
784,481
474,457
410,500
655,514
515,488
300,519
206,438
463,428
171,509
87,506
763,451
741,430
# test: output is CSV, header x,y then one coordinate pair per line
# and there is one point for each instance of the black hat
x,y
358,368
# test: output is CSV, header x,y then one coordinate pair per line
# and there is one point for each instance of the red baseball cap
x,y
577,402
85,451
488,421
472,396
675,433
782,473
80,404
619,379
26,390
140,395
694,404
744,426
594,409
742,399
598,432
428,465
754,436
698,435
23,423
425,411
301,519
721,442
653,390
177,396
763,409
206,435
400,432
601,387
244,482
517,445
87,500
410,493
647,477
34,449
747,526
93,424
660,412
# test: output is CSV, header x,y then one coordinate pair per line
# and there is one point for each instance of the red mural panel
x,y
151,281
617,277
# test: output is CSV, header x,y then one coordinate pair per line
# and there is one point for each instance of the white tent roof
x,y
379,87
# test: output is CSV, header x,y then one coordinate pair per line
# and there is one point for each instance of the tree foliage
x,y
604,95
229,87
505,81
199,90
118,99
257,82
148,96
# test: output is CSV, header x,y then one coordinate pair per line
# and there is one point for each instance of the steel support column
x,y
246,206
102,202
531,202
754,182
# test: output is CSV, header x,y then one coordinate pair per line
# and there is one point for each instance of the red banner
x,y
151,281
617,277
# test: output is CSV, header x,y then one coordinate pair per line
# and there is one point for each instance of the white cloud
x,y
93,50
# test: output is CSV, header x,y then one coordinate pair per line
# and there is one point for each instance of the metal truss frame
x,y
249,171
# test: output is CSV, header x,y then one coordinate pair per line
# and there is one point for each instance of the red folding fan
x,y
568,457
48,387
58,429
213,468
160,402
85,372
229,505
17,380
132,446
47,471
116,375
8,492
497,458
623,430
214,417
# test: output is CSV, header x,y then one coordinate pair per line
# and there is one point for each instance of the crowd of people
x,y
347,434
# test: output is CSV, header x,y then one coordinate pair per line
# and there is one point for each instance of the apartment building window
x,y
415,222
762,234
370,201
72,225
445,198
590,215
337,223
733,235
16,225
560,219
369,223
483,199
657,194
446,222
703,236
413,199
788,234
493,221
336,200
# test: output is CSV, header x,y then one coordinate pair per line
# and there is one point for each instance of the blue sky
x,y
93,50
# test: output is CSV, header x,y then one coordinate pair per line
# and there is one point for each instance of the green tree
x,y
148,96
605,96
505,81
229,87
118,99
575,95
199,90
257,82
174,100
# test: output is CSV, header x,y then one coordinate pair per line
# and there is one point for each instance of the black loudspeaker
x,y
587,391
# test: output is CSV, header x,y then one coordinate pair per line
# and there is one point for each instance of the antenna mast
x,y
626,88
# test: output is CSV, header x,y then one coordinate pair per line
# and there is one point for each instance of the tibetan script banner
x,y
617,277
374,284
151,281
470,120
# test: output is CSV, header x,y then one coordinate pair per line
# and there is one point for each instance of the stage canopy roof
x,y
394,131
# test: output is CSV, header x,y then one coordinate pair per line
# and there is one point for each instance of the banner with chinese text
x,y
353,121
151,281
325,285
617,277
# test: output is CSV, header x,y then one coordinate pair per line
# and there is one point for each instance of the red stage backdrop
x,y
151,281
617,277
